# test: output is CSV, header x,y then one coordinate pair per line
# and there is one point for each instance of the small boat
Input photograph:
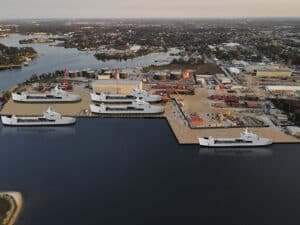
x,y
49,118
123,98
56,95
136,107
247,139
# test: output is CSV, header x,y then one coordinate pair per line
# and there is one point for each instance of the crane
x,y
65,85
117,77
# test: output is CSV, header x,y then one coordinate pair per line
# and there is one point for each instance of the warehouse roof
x,y
113,82
282,88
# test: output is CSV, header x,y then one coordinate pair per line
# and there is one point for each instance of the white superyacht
x,y
49,118
247,139
136,107
136,94
55,95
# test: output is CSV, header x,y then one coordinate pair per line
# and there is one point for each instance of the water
x,y
120,171
57,58
133,172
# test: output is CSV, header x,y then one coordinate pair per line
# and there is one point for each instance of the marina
x,y
182,132
197,134
191,103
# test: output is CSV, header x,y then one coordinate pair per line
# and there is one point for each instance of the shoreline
x,y
11,66
182,132
180,135
18,201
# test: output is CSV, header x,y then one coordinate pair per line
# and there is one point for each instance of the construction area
x,y
196,105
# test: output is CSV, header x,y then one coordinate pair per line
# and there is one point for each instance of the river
x,y
57,58
133,172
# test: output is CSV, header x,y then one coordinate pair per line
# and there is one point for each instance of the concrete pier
x,y
183,133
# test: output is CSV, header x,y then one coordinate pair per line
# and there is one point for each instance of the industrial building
x,y
175,75
88,73
223,79
274,73
282,88
161,75
104,77
114,86
74,73
256,67
234,70
293,130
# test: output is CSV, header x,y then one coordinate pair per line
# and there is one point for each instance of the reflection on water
x,y
70,130
236,152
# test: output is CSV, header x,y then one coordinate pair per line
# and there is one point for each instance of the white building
x,y
135,48
234,70
282,88
293,130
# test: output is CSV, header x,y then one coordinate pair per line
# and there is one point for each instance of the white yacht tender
x,y
49,118
247,139
55,95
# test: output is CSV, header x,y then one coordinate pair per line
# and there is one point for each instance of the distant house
x,y
231,45
135,48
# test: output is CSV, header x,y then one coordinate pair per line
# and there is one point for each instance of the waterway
x,y
57,58
133,172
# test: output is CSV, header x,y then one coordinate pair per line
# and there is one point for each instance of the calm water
x,y
133,172
57,58
118,171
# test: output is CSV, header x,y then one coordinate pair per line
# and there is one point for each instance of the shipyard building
x,y
273,73
268,71
114,86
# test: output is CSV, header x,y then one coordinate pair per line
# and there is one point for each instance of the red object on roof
x,y
194,118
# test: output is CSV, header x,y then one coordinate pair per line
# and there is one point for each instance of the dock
x,y
185,135
178,123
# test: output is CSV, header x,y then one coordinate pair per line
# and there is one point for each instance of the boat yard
x,y
207,101
75,109
178,111
185,135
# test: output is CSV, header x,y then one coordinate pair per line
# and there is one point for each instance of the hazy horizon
x,y
64,9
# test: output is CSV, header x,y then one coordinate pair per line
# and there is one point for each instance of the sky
x,y
17,9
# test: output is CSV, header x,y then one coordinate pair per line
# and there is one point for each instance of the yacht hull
x,y
262,142
64,121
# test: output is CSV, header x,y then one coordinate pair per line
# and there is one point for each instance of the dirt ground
x,y
66,109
